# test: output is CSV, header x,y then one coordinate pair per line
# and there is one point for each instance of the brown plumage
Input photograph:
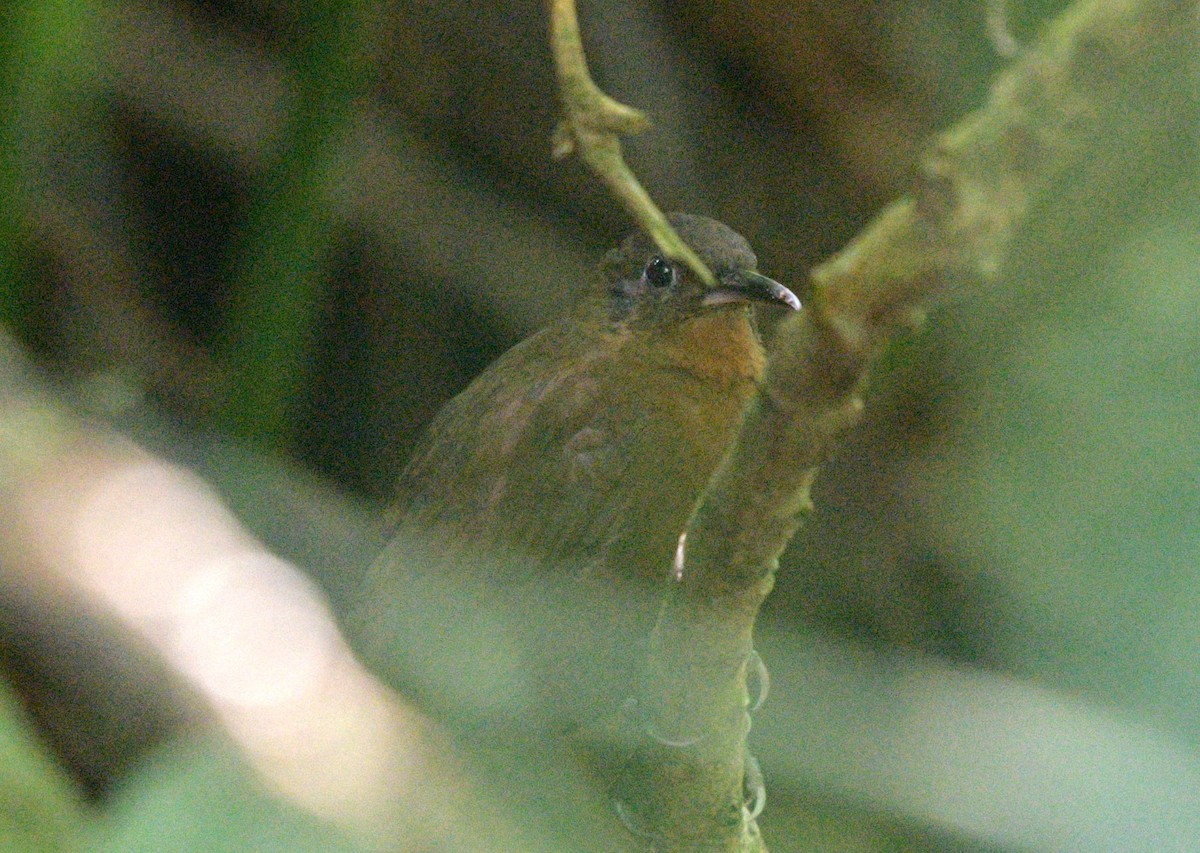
x,y
561,478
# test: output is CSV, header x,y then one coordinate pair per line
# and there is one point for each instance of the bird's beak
x,y
749,286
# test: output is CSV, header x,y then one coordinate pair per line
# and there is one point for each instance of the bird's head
x,y
646,288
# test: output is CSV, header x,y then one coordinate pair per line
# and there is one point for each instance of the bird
x,y
560,480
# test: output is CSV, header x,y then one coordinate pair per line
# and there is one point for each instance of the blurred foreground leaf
x,y
200,796
1078,489
39,807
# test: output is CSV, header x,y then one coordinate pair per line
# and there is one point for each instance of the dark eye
x,y
659,272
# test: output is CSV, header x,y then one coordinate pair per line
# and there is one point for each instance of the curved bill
x,y
750,286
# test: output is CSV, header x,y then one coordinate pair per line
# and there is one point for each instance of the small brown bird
x,y
560,479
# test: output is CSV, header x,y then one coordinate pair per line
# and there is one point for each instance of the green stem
x,y
593,124
47,62
280,273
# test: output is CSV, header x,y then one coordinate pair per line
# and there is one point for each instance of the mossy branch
x,y
592,126
1101,69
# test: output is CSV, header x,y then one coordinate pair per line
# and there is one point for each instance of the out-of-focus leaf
x,y
199,796
974,760
40,810
1074,485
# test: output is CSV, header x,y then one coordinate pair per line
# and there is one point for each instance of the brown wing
x,y
509,491
554,485
521,449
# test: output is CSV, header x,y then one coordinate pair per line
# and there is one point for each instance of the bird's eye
x,y
659,272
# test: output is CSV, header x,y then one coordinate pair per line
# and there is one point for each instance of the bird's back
x,y
559,481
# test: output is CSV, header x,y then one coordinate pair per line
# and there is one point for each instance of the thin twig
x,y
592,126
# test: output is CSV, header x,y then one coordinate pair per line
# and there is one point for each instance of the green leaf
x,y
198,795
40,808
